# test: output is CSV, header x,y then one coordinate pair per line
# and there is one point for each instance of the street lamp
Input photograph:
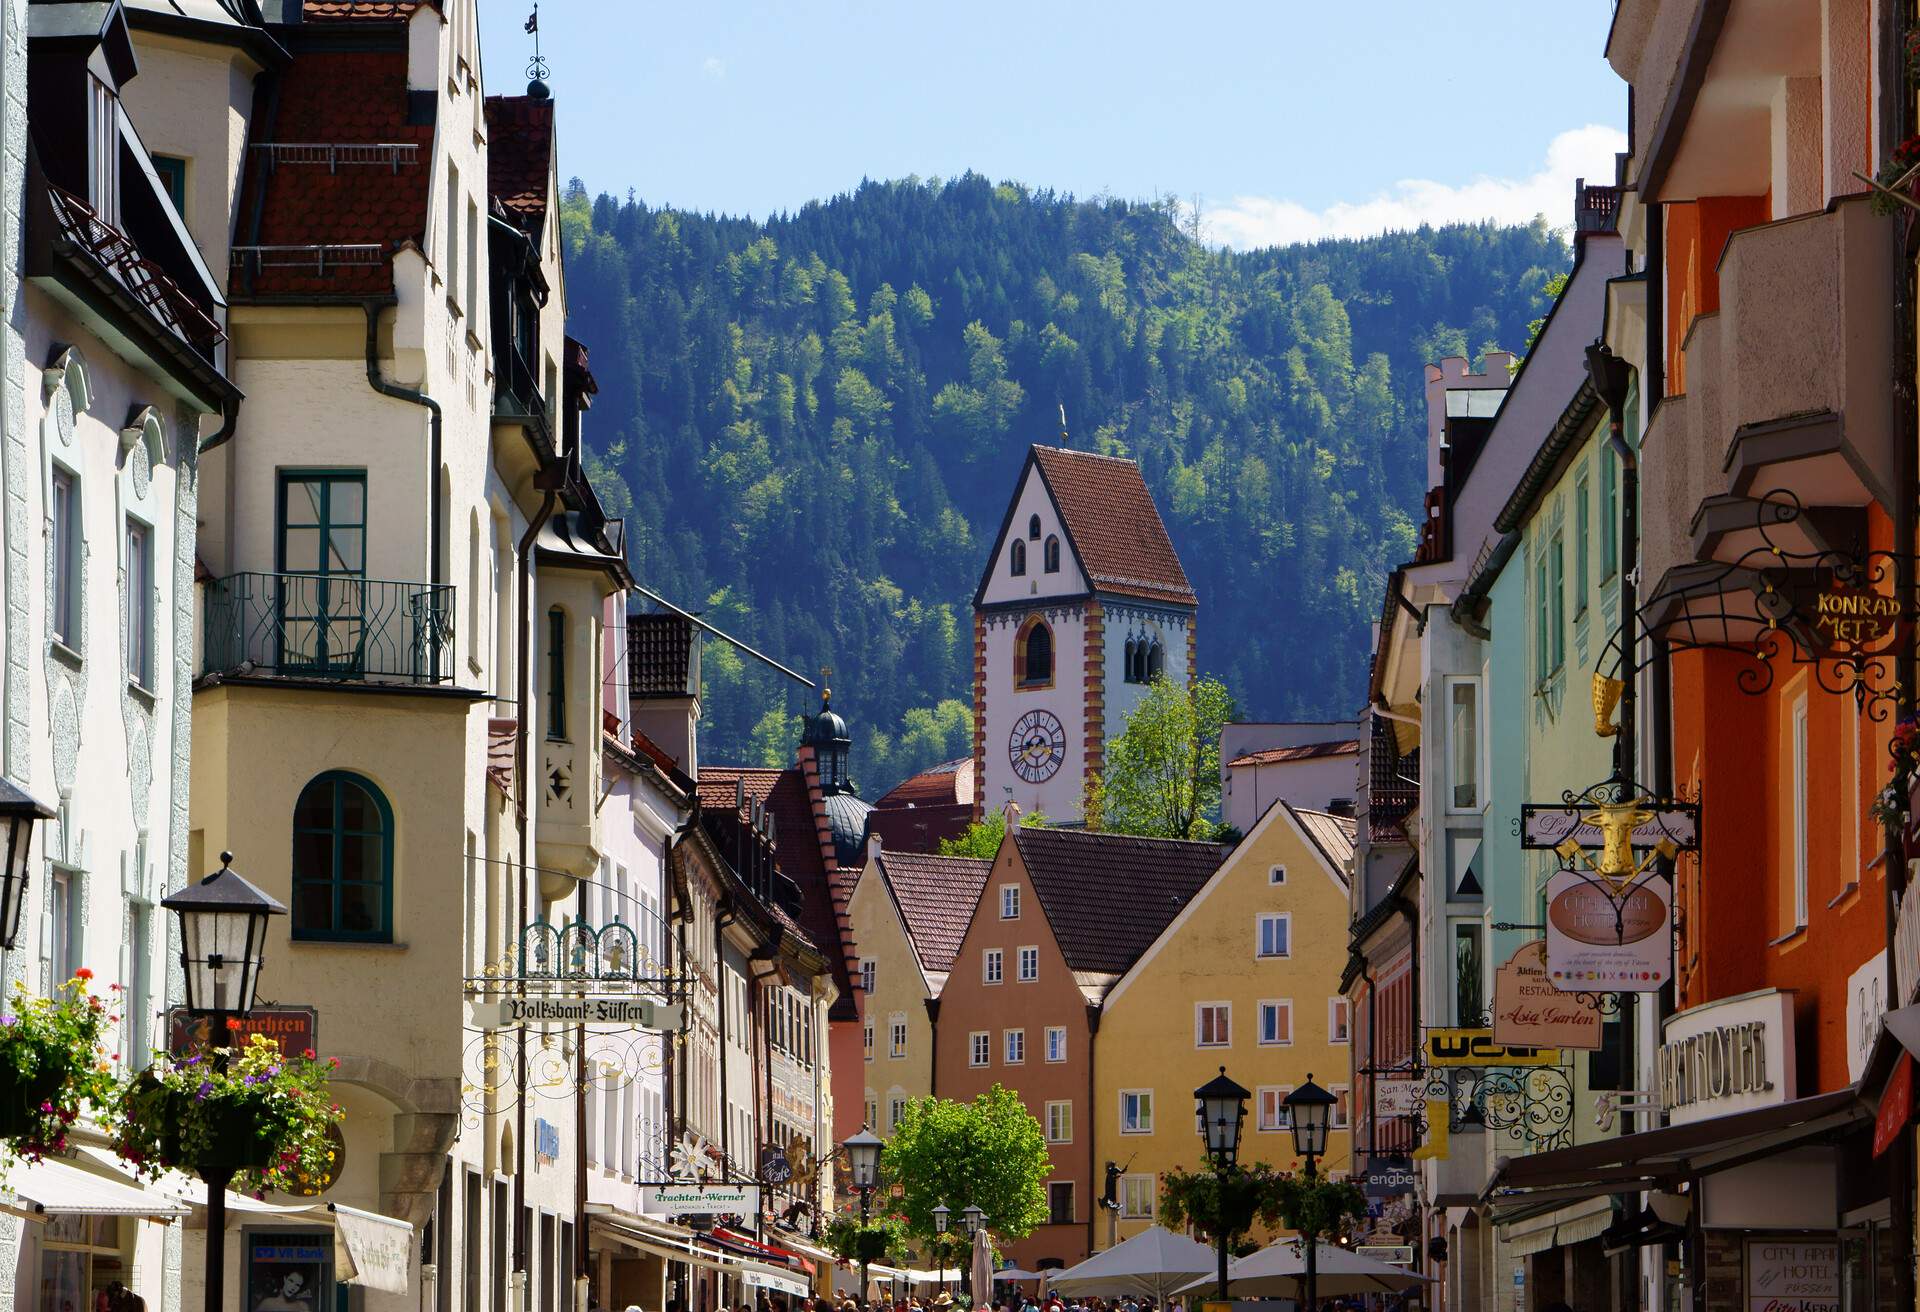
x,y
863,1158
942,1216
1310,1108
1221,1106
20,811
975,1218
972,1218
223,940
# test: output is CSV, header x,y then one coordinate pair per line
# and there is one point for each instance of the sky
x,y
1283,120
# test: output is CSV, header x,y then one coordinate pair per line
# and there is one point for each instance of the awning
x,y
755,1275
747,1243
631,1230
370,1250
37,1188
1662,1159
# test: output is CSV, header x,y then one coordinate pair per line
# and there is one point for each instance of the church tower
x,y
1083,603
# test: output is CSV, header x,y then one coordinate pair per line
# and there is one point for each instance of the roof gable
x,y
520,157
1032,518
1107,897
1114,525
935,896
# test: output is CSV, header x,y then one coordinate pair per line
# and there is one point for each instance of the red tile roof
x,y
520,156
1108,896
940,783
936,896
362,11
312,210
1301,752
919,828
1113,523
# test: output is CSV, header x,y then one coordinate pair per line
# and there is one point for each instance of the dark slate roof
x,y
919,828
936,784
1116,529
1108,896
520,156
847,814
337,97
1302,752
936,896
660,656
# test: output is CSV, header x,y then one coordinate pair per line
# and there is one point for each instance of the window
x,y
1342,1107
1136,1111
1276,875
1060,1202
1016,1052
1050,555
1009,901
1469,998
1800,778
1017,558
1337,1027
1059,1122
981,1044
1557,591
1463,743
866,1039
451,254
1271,1112
1609,517
868,967
556,673
64,511
897,1036
1033,527
1029,965
1056,1043
61,904
322,557
173,174
1275,934
104,153
1212,1024
872,1113
1136,1197
992,968
1276,1022
1033,654
1582,528
896,1112
138,1044
139,603
473,268
342,860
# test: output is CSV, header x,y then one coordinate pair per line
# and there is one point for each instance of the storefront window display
x,y
83,1267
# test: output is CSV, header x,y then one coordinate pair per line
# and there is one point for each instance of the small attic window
x,y
1033,527
1050,555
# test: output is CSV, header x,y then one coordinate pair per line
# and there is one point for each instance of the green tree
x,y
989,1153
1293,1199
982,837
1162,776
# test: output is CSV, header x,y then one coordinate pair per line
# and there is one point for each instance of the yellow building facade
x,y
1246,977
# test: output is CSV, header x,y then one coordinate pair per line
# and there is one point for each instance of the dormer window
x,y
1017,559
1050,554
103,151
1033,527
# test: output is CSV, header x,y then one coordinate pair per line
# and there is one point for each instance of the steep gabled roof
x,y
1108,896
1332,834
1113,525
1301,752
936,896
520,156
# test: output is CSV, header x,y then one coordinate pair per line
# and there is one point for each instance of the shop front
x,y
92,1242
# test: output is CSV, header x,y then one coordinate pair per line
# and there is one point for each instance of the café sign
x,y
1607,938
1727,1056
1530,1010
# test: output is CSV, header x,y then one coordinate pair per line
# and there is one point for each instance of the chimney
x,y
1012,812
1341,806
873,846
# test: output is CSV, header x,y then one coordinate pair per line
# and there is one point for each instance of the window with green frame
x,y
173,175
1557,589
1582,528
1609,515
342,860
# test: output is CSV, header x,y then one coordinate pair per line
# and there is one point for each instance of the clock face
x,y
1037,746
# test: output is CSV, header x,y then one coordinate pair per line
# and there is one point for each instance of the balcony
x,y
517,396
334,628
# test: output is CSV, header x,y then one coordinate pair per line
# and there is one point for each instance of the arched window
x,y
1033,527
1156,664
1051,554
1017,558
1033,654
342,860
1127,669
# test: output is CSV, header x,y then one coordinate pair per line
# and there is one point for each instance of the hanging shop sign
x,y
1530,1011
1399,1097
1896,1105
1728,1056
1906,944
1647,825
774,1166
1842,615
1392,1254
546,1142
1608,937
1793,1275
1866,1012
617,1009
294,1029
1477,1047
697,1199
1388,1176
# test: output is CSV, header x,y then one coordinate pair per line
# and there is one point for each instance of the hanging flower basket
x,y
260,1118
52,1063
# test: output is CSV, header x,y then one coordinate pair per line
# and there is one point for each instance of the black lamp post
x,y
1310,1107
20,812
942,1218
863,1157
1222,1107
223,941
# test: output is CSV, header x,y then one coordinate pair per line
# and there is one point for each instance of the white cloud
x,y
714,67
1248,222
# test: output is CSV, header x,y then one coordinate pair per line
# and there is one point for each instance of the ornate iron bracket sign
x,y
1792,597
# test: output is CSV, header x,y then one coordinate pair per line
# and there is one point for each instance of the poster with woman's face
x,y
288,1272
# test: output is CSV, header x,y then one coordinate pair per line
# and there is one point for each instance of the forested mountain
x,y
813,425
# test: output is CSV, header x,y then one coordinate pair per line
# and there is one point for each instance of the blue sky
x,y
1287,120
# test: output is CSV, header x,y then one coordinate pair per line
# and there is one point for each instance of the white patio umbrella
x,y
1015,1273
1154,1262
982,1267
1280,1271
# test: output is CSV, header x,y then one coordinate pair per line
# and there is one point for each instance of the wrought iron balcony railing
x,y
330,626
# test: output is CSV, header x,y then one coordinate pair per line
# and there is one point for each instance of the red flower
x,y
83,973
307,1053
